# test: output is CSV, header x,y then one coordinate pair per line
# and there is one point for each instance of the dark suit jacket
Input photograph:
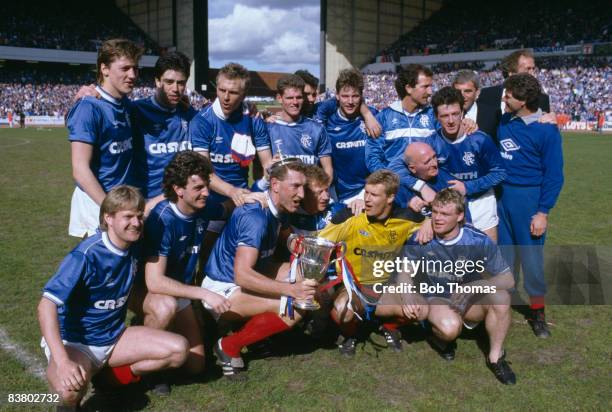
x,y
492,96
487,118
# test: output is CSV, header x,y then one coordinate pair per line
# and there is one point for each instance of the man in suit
x,y
519,61
485,115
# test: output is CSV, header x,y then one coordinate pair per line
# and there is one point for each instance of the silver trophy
x,y
313,255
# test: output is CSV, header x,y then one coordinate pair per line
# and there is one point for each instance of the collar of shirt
x,y
180,214
109,245
533,117
472,113
106,96
284,123
398,107
271,205
452,241
155,103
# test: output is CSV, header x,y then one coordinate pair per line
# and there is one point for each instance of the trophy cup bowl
x,y
313,254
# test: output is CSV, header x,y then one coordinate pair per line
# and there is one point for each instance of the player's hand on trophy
x,y
469,125
425,232
304,289
458,185
539,222
87,91
237,195
217,302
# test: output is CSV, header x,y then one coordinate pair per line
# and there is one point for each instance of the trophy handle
x,y
290,240
342,245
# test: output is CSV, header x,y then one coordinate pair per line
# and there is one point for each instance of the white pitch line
x,y
31,362
23,143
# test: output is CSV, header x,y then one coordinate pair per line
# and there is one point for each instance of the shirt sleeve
x,y
374,149
324,148
158,237
325,109
72,269
493,163
552,166
260,135
200,133
339,228
495,263
251,230
83,123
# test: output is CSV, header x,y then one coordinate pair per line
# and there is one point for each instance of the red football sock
x,y
256,329
395,324
536,302
119,375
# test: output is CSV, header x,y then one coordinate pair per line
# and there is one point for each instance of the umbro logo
x,y
363,233
182,238
508,145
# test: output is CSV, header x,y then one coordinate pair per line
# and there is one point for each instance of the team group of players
x,y
162,189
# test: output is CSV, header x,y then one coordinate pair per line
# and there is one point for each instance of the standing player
x,y
100,135
230,138
241,269
533,158
347,132
378,232
405,121
482,298
293,135
472,158
173,235
311,91
83,308
161,123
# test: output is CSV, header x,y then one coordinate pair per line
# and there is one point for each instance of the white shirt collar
x,y
109,245
398,107
472,113
271,205
284,123
452,241
176,210
216,106
456,141
107,96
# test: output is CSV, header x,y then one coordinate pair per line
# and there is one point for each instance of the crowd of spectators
x,y
577,87
67,25
459,26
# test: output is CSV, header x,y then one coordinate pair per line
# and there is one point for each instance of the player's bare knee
x,y
163,310
449,328
178,351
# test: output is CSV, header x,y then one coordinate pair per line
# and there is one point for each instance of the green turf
x,y
570,371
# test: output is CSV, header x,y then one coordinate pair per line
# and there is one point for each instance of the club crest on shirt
x,y
424,120
200,225
363,233
392,236
184,125
469,158
362,126
306,140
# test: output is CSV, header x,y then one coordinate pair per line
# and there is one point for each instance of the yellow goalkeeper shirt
x,y
367,241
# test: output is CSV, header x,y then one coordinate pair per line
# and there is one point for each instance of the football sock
x,y
256,329
536,302
118,376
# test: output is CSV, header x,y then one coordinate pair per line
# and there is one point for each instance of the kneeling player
x,y
382,229
460,295
241,269
83,308
173,235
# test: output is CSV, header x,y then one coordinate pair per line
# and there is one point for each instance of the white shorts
x,y
98,354
225,289
84,215
182,303
484,211
216,226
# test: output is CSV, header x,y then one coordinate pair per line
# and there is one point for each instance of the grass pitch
x,y
570,371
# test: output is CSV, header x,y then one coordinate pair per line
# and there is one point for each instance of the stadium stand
x,y
458,27
78,26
